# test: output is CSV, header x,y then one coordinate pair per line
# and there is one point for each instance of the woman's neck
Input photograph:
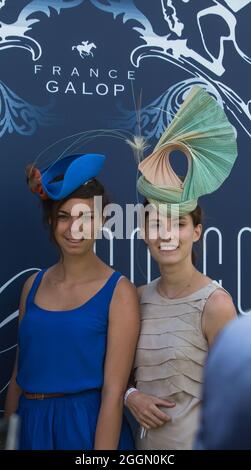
x,y
74,269
176,280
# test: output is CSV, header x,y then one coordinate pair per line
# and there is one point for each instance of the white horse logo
x,y
85,49
210,60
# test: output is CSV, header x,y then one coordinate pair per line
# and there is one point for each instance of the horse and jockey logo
x,y
85,49
186,44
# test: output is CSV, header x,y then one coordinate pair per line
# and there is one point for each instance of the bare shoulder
x,y
219,301
125,301
125,287
218,311
28,283
25,291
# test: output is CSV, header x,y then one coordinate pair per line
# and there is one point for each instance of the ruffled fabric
x,y
169,362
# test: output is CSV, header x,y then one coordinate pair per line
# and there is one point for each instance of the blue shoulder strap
x,y
111,284
34,287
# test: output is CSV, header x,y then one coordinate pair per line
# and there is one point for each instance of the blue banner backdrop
x,y
73,65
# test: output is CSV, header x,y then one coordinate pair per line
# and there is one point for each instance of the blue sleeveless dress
x,y
64,352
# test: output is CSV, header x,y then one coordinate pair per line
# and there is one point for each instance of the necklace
x,y
178,294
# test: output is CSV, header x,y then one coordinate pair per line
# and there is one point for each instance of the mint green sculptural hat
x,y
202,131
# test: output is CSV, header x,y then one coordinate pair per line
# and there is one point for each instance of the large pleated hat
x,y
202,131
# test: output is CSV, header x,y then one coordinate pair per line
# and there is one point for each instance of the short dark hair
x,y
197,218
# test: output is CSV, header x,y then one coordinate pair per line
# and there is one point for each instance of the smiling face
x,y
75,226
171,243
71,220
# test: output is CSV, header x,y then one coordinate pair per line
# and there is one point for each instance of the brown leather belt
x,y
42,396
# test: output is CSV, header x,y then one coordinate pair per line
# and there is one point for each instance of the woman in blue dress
x,y
79,326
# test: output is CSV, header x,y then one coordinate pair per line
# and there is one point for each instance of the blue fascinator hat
x,y
65,175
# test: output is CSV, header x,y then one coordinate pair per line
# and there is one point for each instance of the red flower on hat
x,y
34,181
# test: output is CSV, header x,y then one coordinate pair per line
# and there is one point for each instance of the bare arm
x,y
218,311
14,390
122,340
13,393
131,381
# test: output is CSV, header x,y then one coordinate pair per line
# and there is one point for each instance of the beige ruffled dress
x,y
169,363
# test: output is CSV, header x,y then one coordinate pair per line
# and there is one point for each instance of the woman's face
x,y
171,243
76,226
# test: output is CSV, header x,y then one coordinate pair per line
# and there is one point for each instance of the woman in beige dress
x,y
181,313
183,310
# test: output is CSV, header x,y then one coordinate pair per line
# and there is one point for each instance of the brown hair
x,y
85,191
197,218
